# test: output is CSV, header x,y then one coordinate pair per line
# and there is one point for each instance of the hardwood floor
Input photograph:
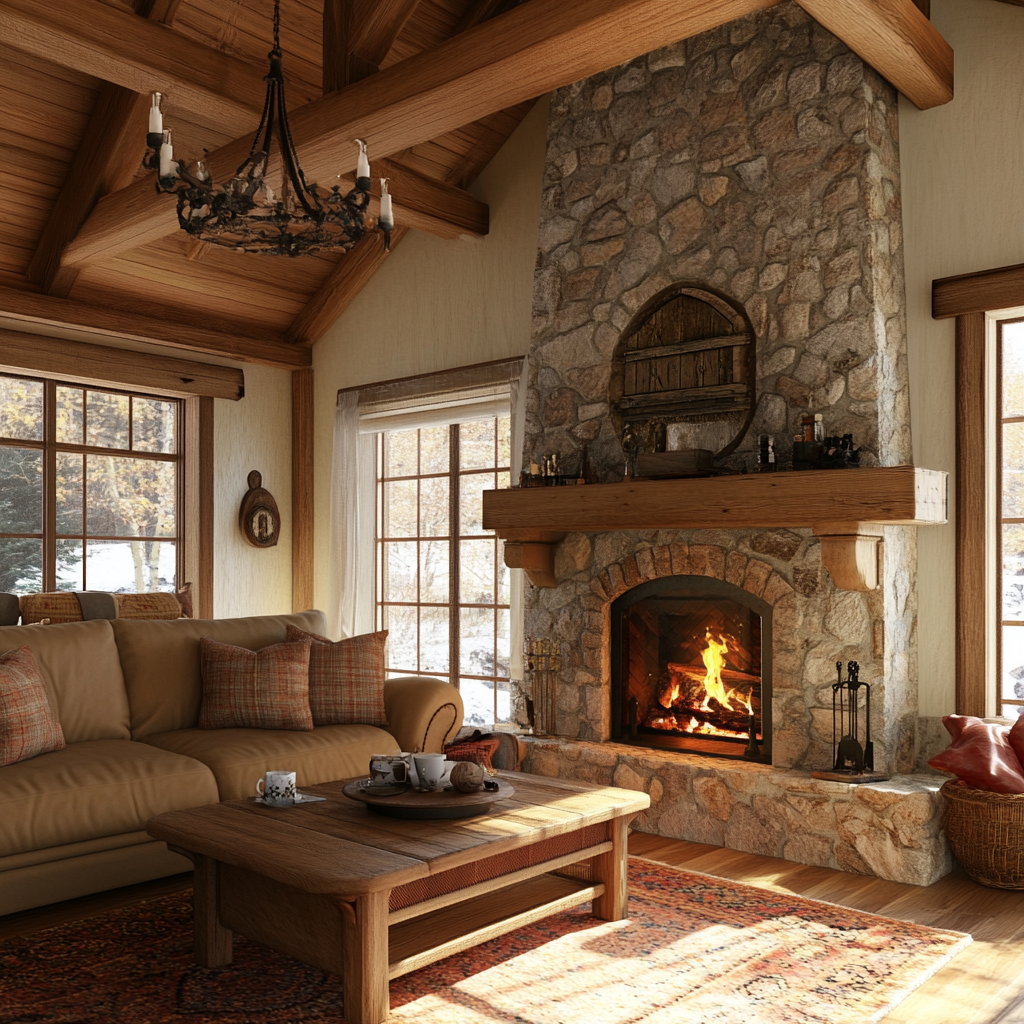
x,y
984,984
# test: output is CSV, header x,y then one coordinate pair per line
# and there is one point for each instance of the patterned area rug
x,y
695,949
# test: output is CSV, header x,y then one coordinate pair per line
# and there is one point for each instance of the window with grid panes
x,y
90,485
442,585
1010,535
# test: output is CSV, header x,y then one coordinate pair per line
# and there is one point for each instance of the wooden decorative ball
x,y
466,777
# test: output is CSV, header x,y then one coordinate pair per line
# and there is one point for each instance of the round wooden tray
x,y
439,804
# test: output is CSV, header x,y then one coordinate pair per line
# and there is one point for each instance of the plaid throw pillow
x,y
346,679
27,723
267,689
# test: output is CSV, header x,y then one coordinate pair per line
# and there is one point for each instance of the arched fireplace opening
x,y
692,668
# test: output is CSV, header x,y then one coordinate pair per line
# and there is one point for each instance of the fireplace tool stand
x,y
853,761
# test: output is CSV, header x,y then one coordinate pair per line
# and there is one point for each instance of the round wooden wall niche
x,y
685,367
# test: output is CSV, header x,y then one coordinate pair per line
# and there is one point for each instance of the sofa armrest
x,y
423,713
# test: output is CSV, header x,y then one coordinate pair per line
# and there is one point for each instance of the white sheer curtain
x,y
353,494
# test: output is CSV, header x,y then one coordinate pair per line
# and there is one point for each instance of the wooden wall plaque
x,y
688,354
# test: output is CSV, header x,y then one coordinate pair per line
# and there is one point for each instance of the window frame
x,y
50,447
454,605
995,696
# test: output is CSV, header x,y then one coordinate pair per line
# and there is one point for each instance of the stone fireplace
x,y
759,161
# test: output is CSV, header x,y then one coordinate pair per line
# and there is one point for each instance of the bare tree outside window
x,y
89,488
442,585
1010,463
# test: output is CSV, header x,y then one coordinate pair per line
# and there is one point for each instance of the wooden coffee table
x,y
371,898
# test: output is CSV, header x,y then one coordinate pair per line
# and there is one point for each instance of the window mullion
x,y
50,487
454,655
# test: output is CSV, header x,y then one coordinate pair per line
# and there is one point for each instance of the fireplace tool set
x,y
853,761
542,662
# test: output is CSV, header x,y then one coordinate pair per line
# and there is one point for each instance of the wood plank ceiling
x,y
451,80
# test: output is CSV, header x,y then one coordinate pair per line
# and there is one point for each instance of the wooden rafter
x,y
357,36
186,333
897,40
220,87
339,289
539,46
106,160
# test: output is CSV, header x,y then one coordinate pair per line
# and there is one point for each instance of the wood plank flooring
x,y
982,985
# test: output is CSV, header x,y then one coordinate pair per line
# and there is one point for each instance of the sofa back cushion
x,y
79,665
161,664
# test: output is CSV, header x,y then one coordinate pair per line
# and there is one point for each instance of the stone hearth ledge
x,y
889,829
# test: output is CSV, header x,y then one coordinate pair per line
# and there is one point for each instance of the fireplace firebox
x,y
691,668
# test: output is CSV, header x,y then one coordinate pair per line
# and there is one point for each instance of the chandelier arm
x,y
262,125
291,159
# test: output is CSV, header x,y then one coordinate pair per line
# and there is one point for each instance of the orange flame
x,y
714,662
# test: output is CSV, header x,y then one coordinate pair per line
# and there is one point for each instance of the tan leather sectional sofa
x,y
127,694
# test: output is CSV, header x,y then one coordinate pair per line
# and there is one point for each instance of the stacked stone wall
x,y
760,159
891,830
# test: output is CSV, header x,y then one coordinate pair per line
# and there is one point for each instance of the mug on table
x,y
278,788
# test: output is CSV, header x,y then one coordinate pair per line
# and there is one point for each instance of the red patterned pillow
x,y
346,679
980,754
478,751
267,689
27,723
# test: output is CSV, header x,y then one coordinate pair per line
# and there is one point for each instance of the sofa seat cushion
x,y
93,789
238,757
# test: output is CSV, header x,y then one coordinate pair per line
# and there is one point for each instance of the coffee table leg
x,y
212,940
610,868
365,951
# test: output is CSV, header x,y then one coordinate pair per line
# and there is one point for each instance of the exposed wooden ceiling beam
x,y
897,40
106,160
117,46
69,314
985,291
357,36
540,46
100,364
191,75
340,288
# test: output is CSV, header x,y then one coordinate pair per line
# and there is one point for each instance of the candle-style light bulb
x,y
386,218
362,164
166,156
156,118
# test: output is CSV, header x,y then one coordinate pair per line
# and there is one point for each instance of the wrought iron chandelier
x,y
244,213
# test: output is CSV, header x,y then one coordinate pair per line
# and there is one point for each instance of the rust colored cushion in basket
x,y
346,679
478,751
27,723
981,755
243,689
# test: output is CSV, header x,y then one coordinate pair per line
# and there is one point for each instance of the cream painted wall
x,y
437,304
963,211
254,433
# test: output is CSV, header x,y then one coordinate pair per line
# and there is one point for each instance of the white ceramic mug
x,y
278,788
430,770
388,769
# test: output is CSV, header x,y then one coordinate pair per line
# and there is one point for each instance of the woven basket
x,y
986,833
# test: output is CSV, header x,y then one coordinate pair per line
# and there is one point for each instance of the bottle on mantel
x,y
766,456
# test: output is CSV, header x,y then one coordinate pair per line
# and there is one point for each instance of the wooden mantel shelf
x,y
846,508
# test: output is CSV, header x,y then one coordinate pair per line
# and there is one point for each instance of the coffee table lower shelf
x,y
415,943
